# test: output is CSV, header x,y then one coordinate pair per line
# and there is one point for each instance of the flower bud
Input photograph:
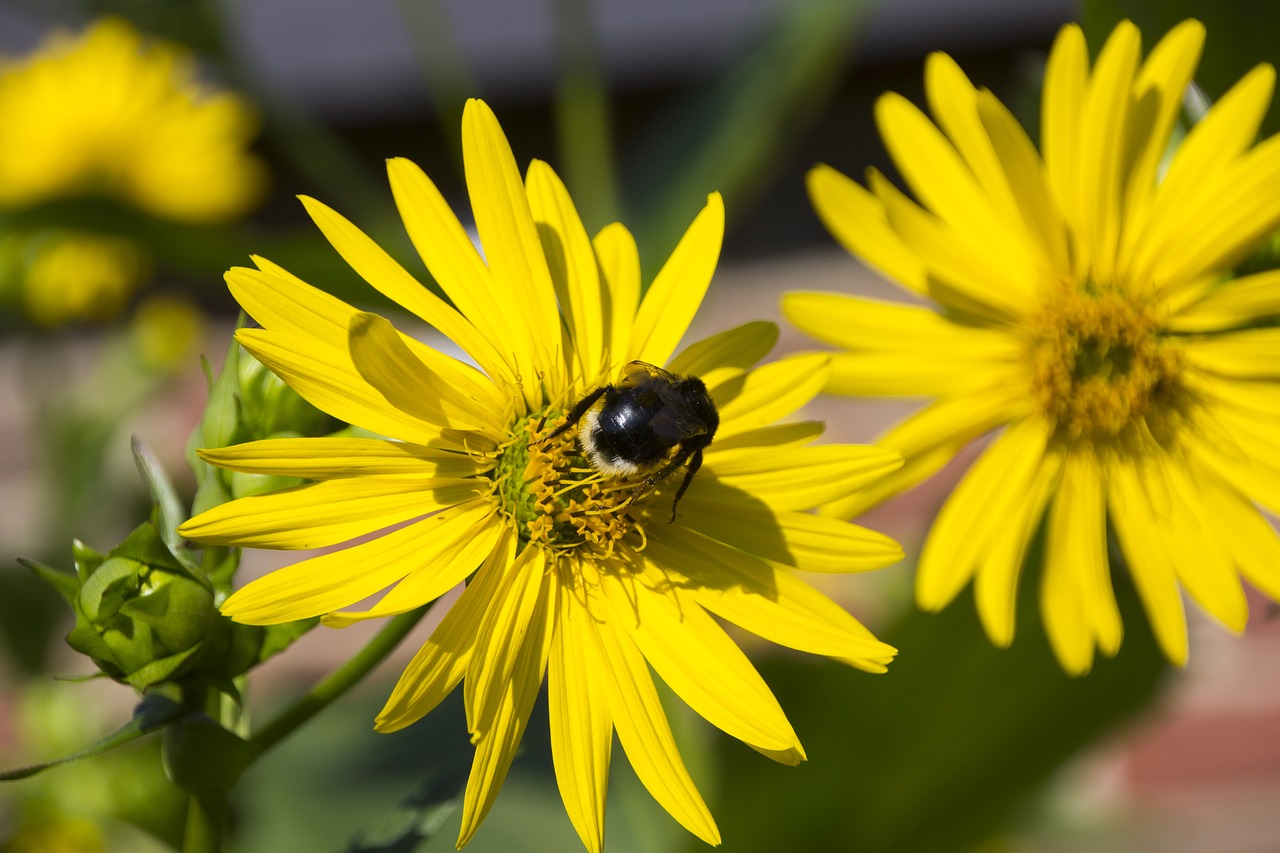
x,y
141,615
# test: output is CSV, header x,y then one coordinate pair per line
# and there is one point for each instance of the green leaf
x,y
151,714
66,585
168,507
939,753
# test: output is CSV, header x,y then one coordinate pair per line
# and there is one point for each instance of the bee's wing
x,y
638,373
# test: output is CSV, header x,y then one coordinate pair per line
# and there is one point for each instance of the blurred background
x,y
125,195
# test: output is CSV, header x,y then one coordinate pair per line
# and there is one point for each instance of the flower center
x,y
558,500
1100,369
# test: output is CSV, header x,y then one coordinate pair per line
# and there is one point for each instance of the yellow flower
x,y
1083,307
108,112
573,574
70,276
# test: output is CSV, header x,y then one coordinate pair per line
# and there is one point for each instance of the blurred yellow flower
x,y
1083,307
575,574
74,276
165,332
109,112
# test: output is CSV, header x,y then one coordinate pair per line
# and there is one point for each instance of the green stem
x,y
338,682
206,815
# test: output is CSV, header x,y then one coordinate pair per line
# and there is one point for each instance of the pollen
x,y
1101,370
558,500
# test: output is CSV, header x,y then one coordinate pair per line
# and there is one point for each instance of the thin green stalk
x,y
338,682
582,117
206,815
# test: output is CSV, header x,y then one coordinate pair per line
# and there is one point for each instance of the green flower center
x,y
1101,370
556,498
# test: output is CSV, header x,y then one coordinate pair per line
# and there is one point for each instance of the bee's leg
x,y
695,462
576,413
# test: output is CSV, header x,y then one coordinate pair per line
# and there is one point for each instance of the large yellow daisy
x,y
571,573
1083,312
107,111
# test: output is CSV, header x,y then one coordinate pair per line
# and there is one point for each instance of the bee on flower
x,y
1081,309
557,479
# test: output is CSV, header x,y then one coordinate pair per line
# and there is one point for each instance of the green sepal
x,y
152,713
221,419
169,509
66,585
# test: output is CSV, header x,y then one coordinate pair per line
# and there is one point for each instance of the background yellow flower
x,y
1084,310
107,112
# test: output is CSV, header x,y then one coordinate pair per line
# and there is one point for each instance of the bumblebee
x,y
640,420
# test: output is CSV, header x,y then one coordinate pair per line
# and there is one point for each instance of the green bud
x,y
141,615
269,406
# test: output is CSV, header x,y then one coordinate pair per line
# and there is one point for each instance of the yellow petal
x,y
723,356
963,273
1143,540
999,567
521,281
619,263
331,581
775,435
954,104
770,392
581,721
1249,536
496,745
412,385
1076,598
334,458
932,436
1065,78
1200,556
1199,169
918,374
941,180
857,219
501,637
572,264
372,263
1248,354
677,291
455,264
451,557
1028,180
326,378
1232,303
645,734
697,660
1158,94
794,478
809,542
769,602
976,511
326,513
1104,146
441,662
858,323
1228,226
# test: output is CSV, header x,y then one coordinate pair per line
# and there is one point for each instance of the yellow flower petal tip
x,y
1083,309
587,562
